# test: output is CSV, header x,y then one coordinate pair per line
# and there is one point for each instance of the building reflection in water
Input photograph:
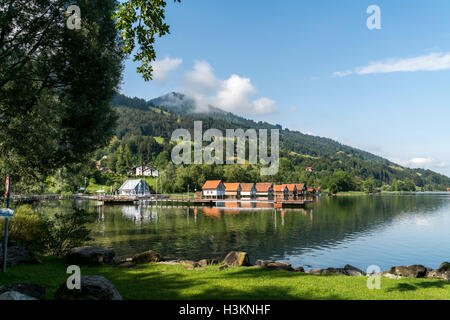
x,y
140,214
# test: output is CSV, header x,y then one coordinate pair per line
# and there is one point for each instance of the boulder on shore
x,y
92,288
90,255
353,271
275,265
14,295
299,269
15,255
237,259
443,272
328,271
414,271
189,264
147,256
348,270
207,262
28,289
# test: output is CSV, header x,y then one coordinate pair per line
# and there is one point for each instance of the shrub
x,y
54,235
26,227
66,231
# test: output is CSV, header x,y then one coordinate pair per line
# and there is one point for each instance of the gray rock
x,y
275,265
15,255
90,255
222,267
92,288
170,262
444,267
328,271
353,271
390,275
207,262
189,264
28,289
299,269
128,265
14,295
147,256
414,271
314,271
443,272
237,259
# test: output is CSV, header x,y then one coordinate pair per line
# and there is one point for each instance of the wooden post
x,y
5,241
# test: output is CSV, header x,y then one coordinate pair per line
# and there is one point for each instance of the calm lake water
x,y
362,231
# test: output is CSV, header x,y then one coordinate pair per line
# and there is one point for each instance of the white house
x,y
134,187
146,171
214,189
248,191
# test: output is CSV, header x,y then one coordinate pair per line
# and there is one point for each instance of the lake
x,y
331,232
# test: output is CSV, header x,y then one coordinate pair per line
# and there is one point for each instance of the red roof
x,y
279,187
291,187
211,184
247,186
300,186
263,187
232,186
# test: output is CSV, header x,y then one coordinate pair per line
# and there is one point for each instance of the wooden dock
x,y
167,200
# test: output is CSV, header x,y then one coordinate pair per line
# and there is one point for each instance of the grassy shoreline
x,y
169,282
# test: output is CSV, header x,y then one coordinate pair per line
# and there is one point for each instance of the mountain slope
x,y
161,116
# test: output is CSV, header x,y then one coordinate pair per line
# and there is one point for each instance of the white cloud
x,y
341,74
430,62
162,68
201,80
233,94
263,106
420,162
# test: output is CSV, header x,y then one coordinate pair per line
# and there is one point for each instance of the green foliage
x,y
27,227
369,185
65,231
49,235
139,22
56,85
341,181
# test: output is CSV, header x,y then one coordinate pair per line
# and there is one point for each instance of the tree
x,y
140,21
341,181
369,185
55,84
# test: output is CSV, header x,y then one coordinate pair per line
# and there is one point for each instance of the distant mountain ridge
x,y
160,116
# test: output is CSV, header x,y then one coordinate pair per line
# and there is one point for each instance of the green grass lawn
x,y
169,282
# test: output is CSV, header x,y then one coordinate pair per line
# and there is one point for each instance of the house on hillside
x,y
281,192
144,170
214,189
248,191
309,169
134,188
264,191
232,190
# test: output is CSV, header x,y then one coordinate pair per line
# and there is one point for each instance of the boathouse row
x,y
216,189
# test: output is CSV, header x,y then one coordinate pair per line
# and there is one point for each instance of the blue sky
x,y
314,66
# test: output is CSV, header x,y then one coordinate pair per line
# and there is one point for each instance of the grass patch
x,y
351,193
168,282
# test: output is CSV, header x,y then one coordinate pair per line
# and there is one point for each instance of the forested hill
x,y
139,120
